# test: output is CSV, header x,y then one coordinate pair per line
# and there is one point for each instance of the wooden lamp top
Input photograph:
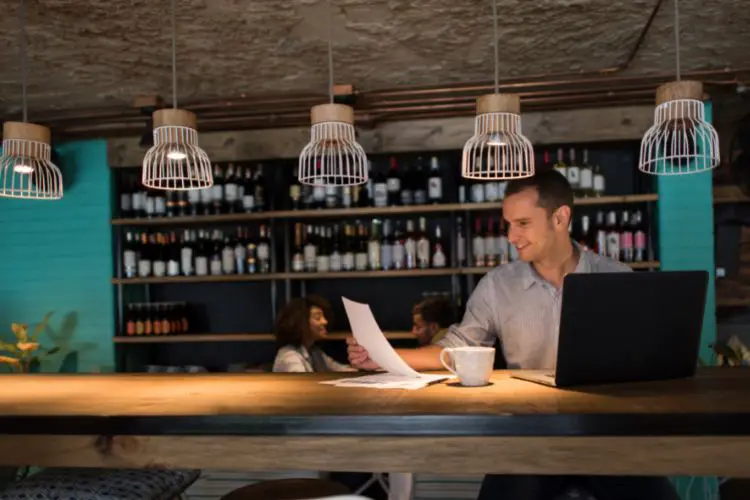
x,y
332,113
174,117
499,103
684,89
26,132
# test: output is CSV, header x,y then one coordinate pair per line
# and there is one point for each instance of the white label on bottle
x,y
360,261
478,250
423,252
373,255
298,263
599,183
491,191
319,193
613,245
150,205
144,268
393,184
438,259
160,268
410,251
381,194
346,197
137,201
323,263
407,197
263,251
330,191
420,196
462,194
126,202
186,260
173,268
399,255
501,247
386,256
477,193
201,266
574,176
248,202
335,261
489,246
239,258
311,255
217,192
160,205
230,192
347,263
435,188
587,181
227,260
194,196
501,187
129,263
215,266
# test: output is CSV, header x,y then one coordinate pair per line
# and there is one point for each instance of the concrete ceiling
x,y
103,53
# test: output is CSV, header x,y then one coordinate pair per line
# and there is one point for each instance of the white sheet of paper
x,y
369,335
386,381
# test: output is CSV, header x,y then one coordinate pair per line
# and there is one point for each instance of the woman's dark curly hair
x,y
292,325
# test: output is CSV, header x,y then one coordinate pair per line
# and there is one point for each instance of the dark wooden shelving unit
x,y
256,297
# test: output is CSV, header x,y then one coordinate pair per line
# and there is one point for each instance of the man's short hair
x,y
435,310
553,188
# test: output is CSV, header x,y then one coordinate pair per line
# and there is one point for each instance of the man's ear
x,y
562,216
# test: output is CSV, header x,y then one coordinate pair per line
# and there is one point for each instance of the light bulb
x,y
23,168
496,139
176,155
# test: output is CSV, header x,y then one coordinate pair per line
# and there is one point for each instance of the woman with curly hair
x,y
300,324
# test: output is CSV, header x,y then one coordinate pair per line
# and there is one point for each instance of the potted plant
x,y
26,352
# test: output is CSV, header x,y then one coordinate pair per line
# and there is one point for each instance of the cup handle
x,y
447,366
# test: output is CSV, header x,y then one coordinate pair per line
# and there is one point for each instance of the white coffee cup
x,y
472,365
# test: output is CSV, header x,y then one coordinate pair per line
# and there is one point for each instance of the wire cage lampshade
x,y
26,168
175,162
333,157
498,149
680,141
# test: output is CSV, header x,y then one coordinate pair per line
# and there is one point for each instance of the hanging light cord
x,y
174,58
330,51
24,57
677,35
497,66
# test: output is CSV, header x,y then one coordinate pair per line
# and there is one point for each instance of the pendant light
x,y
26,168
175,162
333,157
498,150
680,141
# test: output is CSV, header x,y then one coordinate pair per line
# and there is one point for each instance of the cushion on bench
x,y
101,484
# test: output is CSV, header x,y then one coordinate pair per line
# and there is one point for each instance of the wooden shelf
x,y
361,212
232,337
404,273
729,194
732,301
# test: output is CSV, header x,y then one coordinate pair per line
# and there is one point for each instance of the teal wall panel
x,y
686,242
57,256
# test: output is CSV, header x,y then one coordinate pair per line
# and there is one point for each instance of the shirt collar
x,y
530,276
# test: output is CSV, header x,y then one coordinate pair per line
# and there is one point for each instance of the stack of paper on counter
x,y
397,374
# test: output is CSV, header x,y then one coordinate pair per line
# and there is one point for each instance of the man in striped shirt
x,y
519,304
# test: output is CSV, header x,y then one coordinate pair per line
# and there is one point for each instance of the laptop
x,y
627,327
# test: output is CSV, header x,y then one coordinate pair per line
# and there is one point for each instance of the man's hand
x,y
358,356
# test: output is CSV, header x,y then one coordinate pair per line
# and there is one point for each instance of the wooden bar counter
x,y
698,426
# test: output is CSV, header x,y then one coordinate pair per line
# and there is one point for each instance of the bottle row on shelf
x,y
377,245
157,318
242,189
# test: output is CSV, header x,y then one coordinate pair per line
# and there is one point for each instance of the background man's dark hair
x,y
553,188
435,310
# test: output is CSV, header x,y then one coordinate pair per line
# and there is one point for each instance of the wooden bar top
x,y
289,404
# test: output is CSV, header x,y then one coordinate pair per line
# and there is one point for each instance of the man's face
x,y
423,331
531,228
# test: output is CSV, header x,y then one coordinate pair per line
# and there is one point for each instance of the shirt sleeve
x,y
335,366
289,360
477,326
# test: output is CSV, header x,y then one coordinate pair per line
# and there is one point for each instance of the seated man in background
x,y
431,319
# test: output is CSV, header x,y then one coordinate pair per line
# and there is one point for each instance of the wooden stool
x,y
288,489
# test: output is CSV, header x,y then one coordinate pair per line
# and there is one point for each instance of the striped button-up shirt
x,y
516,305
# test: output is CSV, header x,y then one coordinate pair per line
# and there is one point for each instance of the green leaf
x,y
5,346
52,351
41,326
